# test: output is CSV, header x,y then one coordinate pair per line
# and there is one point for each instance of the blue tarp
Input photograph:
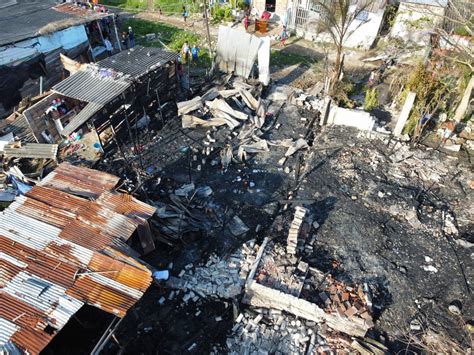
x,y
20,186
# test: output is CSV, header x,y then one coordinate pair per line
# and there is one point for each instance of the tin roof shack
x,y
33,36
119,91
63,245
100,101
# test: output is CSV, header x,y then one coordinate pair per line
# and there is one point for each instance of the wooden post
x,y
208,33
100,31
116,34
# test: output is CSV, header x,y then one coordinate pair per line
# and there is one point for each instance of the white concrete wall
x,y
352,118
362,34
414,22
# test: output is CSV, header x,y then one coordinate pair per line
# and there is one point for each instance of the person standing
x,y
246,22
185,13
125,40
195,53
283,36
131,37
185,53
108,46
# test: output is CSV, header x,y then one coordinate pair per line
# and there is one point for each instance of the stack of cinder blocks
x,y
295,227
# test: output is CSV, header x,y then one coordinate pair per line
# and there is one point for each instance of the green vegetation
x,y
341,92
464,29
282,58
221,13
168,7
172,36
432,95
371,100
389,15
418,24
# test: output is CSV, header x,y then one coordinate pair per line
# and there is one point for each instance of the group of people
x,y
128,38
189,54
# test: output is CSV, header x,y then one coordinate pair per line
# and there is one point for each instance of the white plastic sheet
x,y
264,61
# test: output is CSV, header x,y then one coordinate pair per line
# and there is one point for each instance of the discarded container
x,y
161,275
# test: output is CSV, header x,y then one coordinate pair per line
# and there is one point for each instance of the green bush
x,y
178,39
242,4
221,13
341,92
371,100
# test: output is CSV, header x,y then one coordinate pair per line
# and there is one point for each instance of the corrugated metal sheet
x,y
59,251
125,204
30,150
138,61
80,181
82,117
19,126
91,86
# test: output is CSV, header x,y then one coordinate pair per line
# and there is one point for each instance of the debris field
x,y
285,236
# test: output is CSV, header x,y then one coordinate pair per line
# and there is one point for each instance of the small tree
x,y
340,20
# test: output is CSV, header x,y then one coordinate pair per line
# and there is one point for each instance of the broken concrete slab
x,y
261,296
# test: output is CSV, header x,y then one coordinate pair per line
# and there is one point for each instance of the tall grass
x,y
168,7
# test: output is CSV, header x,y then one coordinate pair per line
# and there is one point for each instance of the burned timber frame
x,y
120,90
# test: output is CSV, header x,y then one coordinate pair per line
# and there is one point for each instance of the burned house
x,y
102,102
34,35
64,245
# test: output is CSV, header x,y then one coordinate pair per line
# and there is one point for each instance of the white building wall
x,y
415,22
362,34
20,51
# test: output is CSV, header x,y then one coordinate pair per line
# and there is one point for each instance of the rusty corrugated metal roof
x,y
59,251
80,181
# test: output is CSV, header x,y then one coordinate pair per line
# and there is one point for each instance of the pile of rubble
x,y
217,278
346,300
259,330
281,271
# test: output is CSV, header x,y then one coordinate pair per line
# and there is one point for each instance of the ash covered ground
x,y
395,219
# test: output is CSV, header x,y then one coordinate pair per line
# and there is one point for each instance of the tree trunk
x,y
337,66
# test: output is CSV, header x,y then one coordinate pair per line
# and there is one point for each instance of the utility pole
x,y
206,22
